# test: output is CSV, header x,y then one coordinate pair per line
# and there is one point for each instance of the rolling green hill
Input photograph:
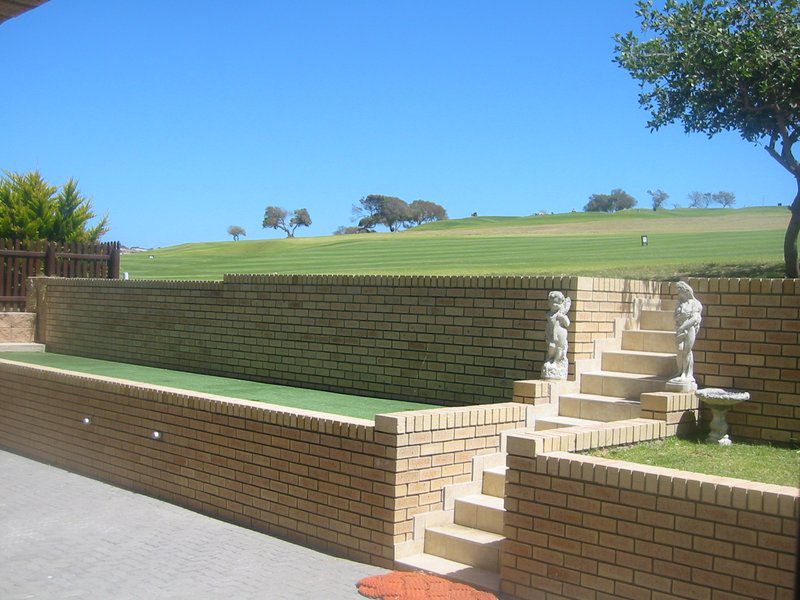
x,y
713,242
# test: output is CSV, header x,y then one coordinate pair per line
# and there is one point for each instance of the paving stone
x,y
69,537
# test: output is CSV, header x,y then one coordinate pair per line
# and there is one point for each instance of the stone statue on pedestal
x,y
555,363
688,315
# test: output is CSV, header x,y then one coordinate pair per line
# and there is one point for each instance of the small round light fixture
x,y
86,420
156,435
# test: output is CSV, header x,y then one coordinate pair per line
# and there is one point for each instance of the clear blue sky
x,y
180,118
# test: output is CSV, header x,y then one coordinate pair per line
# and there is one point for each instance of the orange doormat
x,y
403,585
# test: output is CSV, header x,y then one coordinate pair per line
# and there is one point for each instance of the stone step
x,y
17,327
648,340
480,511
559,422
466,545
657,320
598,408
633,361
494,482
436,565
21,347
620,385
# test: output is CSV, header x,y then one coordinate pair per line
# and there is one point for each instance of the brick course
x,y
445,340
634,531
350,486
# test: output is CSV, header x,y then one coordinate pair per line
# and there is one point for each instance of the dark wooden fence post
x,y
113,261
50,259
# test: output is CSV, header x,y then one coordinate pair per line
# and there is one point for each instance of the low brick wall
x,y
587,527
349,486
445,340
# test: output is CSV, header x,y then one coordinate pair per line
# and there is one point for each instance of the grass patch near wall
x,y
362,407
753,462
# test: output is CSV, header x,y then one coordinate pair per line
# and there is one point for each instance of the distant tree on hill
x,y
423,211
377,209
275,218
724,199
724,65
658,197
345,230
617,200
236,231
699,199
32,209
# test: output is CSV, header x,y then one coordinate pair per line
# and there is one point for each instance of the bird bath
x,y
720,402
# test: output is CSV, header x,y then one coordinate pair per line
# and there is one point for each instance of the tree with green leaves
x,y
377,209
617,200
32,209
236,232
275,218
658,197
424,211
724,65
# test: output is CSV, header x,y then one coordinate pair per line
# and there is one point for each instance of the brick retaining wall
x,y
587,527
445,340
350,486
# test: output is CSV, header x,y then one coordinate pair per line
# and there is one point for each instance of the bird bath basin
x,y
720,402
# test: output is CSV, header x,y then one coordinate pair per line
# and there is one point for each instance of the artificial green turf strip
x,y
328,402
754,462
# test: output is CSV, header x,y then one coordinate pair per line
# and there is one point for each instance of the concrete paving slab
x,y
63,536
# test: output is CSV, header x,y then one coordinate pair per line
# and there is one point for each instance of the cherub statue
x,y
688,315
555,363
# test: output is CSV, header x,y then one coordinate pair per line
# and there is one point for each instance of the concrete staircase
x,y
463,541
644,362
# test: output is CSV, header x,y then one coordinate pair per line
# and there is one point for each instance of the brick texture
x,y
445,340
634,531
350,486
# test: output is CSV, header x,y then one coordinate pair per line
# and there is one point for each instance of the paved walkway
x,y
65,537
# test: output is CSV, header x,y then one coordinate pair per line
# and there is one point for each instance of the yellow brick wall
x,y
445,340
586,527
341,484
749,340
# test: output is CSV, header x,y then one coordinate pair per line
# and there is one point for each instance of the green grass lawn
x,y
754,462
338,404
733,243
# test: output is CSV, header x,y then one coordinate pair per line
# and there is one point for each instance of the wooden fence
x,y
22,259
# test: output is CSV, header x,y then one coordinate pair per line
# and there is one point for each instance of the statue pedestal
x,y
720,402
678,384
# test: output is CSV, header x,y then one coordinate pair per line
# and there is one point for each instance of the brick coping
x,y
754,495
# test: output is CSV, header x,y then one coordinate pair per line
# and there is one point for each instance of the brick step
x,y
620,385
648,340
494,481
598,408
436,565
657,320
600,435
633,361
466,545
480,511
558,421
